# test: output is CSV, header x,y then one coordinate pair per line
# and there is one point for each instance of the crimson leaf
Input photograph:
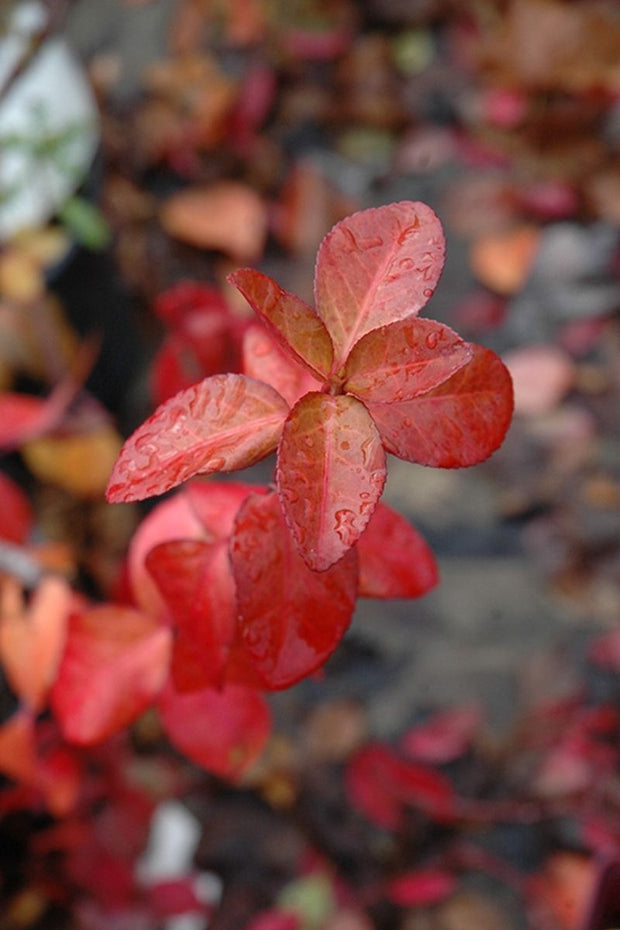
x,y
395,560
330,475
220,424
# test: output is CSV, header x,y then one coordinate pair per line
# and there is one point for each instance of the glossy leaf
x,y
115,663
264,360
395,560
457,424
330,475
405,359
291,618
294,324
223,423
196,582
222,730
376,267
32,638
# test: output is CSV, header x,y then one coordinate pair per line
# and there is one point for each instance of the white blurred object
x,y
49,126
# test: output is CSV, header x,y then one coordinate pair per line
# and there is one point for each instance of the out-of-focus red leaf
x,y
216,503
565,885
17,747
24,417
405,359
542,375
294,324
32,638
115,663
291,618
605,650
254,100
223,423
395,560
184,298
222,730
502,261
265,360
421,887
59,778
175,897
375,267
330,475
445,736
380,784
196,582
15,511
274,920
228,216
459,423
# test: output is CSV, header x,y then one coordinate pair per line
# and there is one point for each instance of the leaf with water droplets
x,y
459,423
291,618
330,474
395,560
195,580
376,267
294,324
222,730
223,423
114,664
264,360
406,358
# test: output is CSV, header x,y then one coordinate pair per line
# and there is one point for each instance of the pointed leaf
x,y
295,325
457,424
330,475
32,638
264,360
407,358
196,582
115,663
223,423
395,560
222,730
291,618
376,267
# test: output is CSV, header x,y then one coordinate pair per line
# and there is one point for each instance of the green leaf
x,y
86,223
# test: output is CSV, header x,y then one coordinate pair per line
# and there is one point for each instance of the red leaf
x,y
294,324
376,267
379,783
264,360
32,638
223,730
176,303
405,359
395,560
445,736
216,503
15,511
196,582
421,887
330,475
291,618
459,423
59,778
115,663
605,650
17,747
273,919
223,423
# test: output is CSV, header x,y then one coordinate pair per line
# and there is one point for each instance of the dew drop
x,y
345,526
428,292
345,445
406,264
262,348
431,340
216,463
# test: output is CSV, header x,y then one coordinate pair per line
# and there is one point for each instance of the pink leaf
x,y
291,618
459,423
376,267
421,887
294,324
330,474
264,360
222,730
404,359
196,582
445,736
115,662
542,375
395,560
223,423
605,650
